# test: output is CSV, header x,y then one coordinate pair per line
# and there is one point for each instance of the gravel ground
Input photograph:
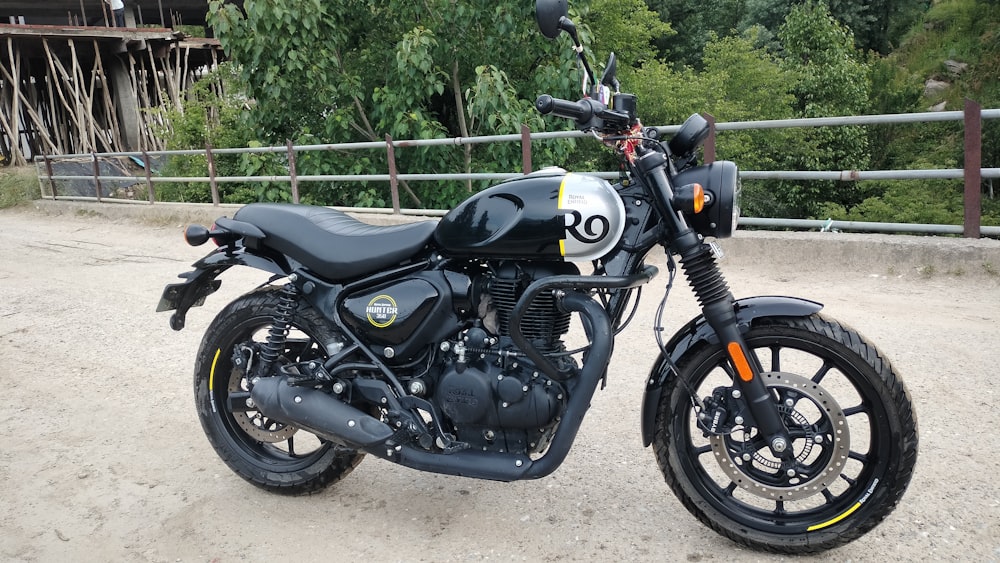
x,y
102,457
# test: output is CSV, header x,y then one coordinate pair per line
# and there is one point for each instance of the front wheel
x,y
853,430
272,455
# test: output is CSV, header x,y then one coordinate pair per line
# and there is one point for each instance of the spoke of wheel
x,y
823,370
779,507
291,446
858,456
728,491
775,358
855,410
701,450
828,496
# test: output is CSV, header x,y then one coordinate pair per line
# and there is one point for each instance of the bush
x,y
18,185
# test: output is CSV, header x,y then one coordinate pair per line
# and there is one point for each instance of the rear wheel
x,y
853,431
272,455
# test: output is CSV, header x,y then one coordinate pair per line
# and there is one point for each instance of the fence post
x,y
710,141
149,176
393,181
973,166
525,149
48,168
292,173
97,174
211,174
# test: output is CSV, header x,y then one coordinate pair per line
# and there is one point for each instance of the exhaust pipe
x,y
318,412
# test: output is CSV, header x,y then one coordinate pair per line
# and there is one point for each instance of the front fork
x,y
698,263
716,301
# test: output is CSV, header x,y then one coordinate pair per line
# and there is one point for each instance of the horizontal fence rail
x,y
972,173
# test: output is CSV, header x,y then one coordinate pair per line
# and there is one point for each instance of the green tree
x,y
364,69
832,78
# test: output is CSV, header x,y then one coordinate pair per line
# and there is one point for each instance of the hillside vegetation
x,y
301,70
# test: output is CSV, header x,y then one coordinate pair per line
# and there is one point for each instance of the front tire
x,y
854,437
271,455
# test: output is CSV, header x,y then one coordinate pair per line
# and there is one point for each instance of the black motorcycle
x,y
439,345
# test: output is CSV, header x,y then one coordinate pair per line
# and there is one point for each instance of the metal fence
x,y
973,173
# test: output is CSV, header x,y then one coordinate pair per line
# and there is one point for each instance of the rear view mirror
x,y
548,14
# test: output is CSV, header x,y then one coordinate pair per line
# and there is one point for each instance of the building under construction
x,y
73,82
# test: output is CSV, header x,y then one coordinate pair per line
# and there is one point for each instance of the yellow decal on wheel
x,y
850,510
835,520
211,374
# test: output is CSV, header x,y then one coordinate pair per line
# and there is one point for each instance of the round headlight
x,y
721,182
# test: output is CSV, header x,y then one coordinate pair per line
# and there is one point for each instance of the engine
x,y
491,395
488,393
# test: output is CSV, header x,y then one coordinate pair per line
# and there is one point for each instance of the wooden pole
x,y
973,168
393,181
292,173
211,174
15,107
97,179
525,149
149,176
710,141
48,168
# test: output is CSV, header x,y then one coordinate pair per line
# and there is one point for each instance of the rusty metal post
x,y
525,149
710,141
149,177
97,174
292,173
48,168
211,174
973,168
393,180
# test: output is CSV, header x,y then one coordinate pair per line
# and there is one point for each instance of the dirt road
x,y
102,457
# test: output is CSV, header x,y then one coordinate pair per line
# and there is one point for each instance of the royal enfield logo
x,y
595,227
382,311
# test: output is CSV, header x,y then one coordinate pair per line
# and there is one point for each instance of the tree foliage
x,y
362,70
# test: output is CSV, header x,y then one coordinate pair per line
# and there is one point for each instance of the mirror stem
x,y
569,27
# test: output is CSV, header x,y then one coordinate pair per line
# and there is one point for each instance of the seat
x,y
331,243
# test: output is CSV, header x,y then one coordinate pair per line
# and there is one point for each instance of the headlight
x,y
721,182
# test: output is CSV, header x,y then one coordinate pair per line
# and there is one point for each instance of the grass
x,y
18,185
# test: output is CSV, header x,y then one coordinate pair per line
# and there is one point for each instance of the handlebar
x,y
581,111
588,113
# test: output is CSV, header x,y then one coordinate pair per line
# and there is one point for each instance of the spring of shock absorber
x,y
284,311
704,275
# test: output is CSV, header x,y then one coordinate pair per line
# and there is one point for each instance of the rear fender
x,y
201,282
698,331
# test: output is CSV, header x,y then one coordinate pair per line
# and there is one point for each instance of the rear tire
x,y
265,452
854,437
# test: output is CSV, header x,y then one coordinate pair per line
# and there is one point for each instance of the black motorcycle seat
x,y
331,243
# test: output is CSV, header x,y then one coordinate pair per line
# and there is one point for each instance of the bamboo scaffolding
x,y
59,95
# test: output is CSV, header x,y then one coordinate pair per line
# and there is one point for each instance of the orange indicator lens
x,y
740,361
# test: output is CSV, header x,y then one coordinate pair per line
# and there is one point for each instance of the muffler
x,y
317,412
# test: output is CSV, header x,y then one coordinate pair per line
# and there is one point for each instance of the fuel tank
x,y
546,215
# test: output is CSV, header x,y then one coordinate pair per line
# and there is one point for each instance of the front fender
x,y
200,282
698,330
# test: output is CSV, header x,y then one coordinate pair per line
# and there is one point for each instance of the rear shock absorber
x,y
280,323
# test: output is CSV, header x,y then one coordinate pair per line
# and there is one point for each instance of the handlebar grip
x,y
578,111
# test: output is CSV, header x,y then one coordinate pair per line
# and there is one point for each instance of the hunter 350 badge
x,y
381,311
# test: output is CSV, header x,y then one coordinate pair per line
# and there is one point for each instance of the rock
x,y
955,68
934,87
938,107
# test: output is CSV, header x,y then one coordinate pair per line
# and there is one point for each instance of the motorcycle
x,y
440,346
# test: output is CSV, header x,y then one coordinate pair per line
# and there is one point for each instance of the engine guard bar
x,y
508,467
566,282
